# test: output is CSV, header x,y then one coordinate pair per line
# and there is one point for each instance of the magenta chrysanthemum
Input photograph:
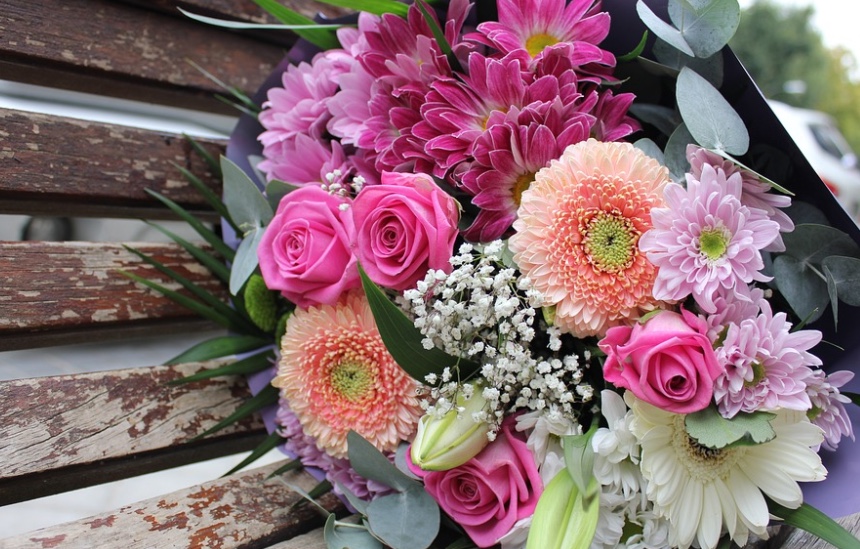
x,y
338,376
706,238
767,366
578,230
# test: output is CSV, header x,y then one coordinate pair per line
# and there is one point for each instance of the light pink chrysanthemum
x,y
767,366
828,406
578,231
756,193
733,306
305,160
338,376
706,238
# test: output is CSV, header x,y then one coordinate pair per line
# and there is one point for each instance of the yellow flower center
x,y
610,242
351,380
713,242
702,463
522,184
537,42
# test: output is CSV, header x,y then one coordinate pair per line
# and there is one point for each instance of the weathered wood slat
x,y
243,511
52,293
798,539
242,10
312,540
116,49
66,432
51,165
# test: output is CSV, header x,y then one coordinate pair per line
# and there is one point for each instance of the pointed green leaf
x,y
579,456
270,442
323,487
439,35
324,39
663,118
246,261
403,340
348,537
227,24
845,272
855,398
811,244
663,29
392,518
249,365
832,292
636,52
244,200
357,503
194,306
712,121
205,232
706,26
266,397
676,152
810,519
213,164
712,430
370,463
763,178
376,7
215,265
218,347
651,149
211,198
291,465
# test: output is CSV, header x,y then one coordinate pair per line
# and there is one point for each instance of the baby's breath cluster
x,y
484,310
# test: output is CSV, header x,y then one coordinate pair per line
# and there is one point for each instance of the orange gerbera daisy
x,y
337,376
577,235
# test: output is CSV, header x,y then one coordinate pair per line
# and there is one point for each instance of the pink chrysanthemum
x,y
733,306
706,238
338,376
305,160
767,366
756,193
578,230
828,406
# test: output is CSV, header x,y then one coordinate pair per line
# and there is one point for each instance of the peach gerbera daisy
x,y
337,376
577,235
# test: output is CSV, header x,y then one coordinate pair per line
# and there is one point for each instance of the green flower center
x,y
351,380
521,185
610,242
713,243
537,42
758,375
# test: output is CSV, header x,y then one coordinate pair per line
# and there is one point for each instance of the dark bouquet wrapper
x,y
772,153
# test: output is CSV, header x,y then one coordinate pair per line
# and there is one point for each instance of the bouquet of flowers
x,y
522,289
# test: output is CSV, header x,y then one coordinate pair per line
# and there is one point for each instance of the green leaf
x,y
249,365
651,149
845,273
211,198
803,213
663,118
832,293
291,465
706,26
636,52
220,346
272,441
712,430
244,200
276,190
370,463
403,340
324,39
227,24
246,261
347,537
266,397
377,7
810,519
763,178
811,244
855,398
205,232
357,503
579,456
214,264
711,68
712,121
439,35
392,518
676,152
663,29
213,164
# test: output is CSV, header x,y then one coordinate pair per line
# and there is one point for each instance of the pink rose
x,y
488,494
404,226
305,251
668,362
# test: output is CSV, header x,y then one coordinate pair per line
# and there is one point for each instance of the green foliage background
x,y
778,44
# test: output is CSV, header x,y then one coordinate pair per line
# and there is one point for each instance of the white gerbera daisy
x,y
705,492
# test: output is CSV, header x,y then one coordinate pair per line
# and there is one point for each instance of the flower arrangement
x,y
510,281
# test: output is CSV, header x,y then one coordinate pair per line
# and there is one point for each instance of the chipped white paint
x,y
35,129
105,315
30,293
68,54
68,313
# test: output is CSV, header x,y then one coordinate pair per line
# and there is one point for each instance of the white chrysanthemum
x,y
705,492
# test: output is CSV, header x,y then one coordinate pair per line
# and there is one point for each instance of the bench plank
x,y
244,511
51,165
55,292
67,432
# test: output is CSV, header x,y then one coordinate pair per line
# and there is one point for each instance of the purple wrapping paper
x,y
772,152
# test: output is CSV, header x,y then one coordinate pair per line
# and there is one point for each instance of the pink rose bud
x,y
668,361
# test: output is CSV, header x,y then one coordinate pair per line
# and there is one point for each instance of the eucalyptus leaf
x,y
845,273
347,537
662,29
804,290
663,118
651,149
810,519
706,26
712,121
802,213
712,430
244,200
392,518
276,190
811,244
832,293
763,178
357,503
711,68
245,261
373,465
676,153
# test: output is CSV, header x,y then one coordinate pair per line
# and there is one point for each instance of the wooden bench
x,y
66,432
